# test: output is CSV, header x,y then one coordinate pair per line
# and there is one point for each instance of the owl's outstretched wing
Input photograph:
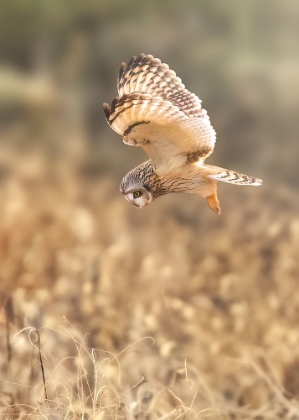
x,y
156,112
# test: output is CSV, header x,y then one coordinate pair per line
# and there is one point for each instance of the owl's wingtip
x,y
107,110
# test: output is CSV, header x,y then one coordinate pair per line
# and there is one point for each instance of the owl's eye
x,y
137,194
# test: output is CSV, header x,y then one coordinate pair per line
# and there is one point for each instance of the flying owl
x,y
156,112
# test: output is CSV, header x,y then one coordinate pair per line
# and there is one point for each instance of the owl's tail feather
x,y
232,177
225,175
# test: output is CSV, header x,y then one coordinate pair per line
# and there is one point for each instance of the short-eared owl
x,y
156,112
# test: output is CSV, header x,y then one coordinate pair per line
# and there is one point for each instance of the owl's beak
x,y
134,204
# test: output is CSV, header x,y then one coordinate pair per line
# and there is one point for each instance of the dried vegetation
x,y
168,312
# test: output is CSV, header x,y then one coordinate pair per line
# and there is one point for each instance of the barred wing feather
x,y
163,130
154,110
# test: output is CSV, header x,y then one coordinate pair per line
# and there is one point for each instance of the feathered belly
x,y
191,183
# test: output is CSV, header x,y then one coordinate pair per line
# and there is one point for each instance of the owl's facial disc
x,y
137,185
139,197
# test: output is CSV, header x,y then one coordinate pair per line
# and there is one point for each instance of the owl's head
x,y
139,186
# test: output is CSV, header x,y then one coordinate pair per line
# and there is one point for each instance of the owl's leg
x,y
213,202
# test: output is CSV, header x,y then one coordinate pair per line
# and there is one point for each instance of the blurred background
x,y
217,295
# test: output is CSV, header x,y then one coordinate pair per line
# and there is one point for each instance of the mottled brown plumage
x,y
155,111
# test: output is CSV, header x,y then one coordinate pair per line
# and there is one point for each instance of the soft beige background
x,y
191,315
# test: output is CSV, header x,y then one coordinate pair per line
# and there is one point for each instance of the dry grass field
x,y
167,312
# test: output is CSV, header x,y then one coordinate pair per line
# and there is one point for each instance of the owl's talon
x,y
214,204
